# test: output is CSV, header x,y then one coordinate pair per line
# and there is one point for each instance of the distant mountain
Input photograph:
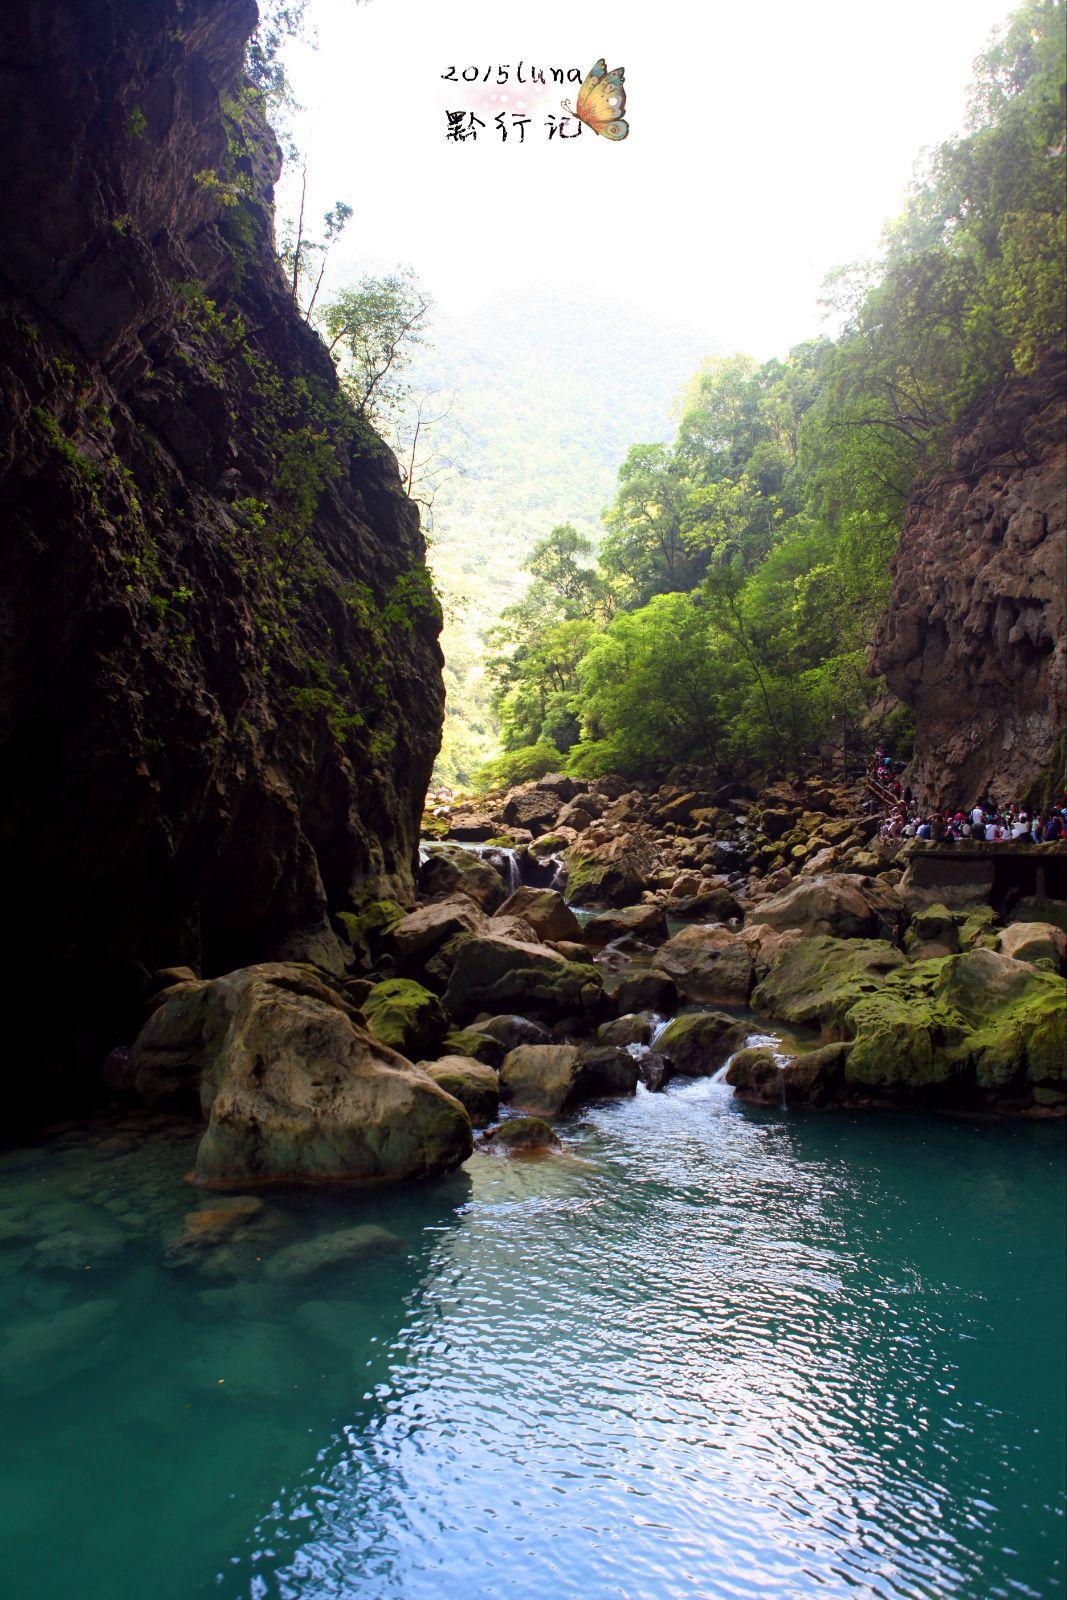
x,y
551,388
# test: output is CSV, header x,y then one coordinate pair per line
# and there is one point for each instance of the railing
x,y
886,796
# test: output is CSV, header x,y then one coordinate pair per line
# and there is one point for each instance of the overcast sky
x,y
768,144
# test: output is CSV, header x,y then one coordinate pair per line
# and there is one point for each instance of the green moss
x,y
977,1020
479,1046
405,1016
816,981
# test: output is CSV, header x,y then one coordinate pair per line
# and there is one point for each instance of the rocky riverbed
x,y
570,940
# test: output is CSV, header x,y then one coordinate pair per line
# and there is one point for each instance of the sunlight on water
x,y
709,1351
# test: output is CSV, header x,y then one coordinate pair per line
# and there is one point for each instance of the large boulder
x,y
416,936
958,877
405,1016
816,982
545,910
697,1044
535,808
609,874
708,964
773,1077
976,1024
476,826
474,1085
646,991
495,975
645,922
1034,941
292,1087
450,870
547,1078
846,906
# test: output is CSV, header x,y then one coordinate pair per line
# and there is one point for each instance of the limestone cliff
x,y
220,690
974,635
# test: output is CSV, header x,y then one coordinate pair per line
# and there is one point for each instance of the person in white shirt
x,y
977,815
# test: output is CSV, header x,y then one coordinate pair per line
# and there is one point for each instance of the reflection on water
x,y
709,1351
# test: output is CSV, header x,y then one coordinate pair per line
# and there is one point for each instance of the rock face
x,y
221,692
974,639
292,1088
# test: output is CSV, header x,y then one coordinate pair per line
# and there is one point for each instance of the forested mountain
x,y
728,608
543,394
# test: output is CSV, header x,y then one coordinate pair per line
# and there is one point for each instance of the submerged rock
x,y
519,1134
345,1246
293,1088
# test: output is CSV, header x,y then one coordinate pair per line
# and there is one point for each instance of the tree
x,y
371,330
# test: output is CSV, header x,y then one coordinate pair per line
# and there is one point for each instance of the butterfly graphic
x,y
602,101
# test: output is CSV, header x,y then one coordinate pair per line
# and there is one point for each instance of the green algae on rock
x,y
405,1016
816,981
979,1023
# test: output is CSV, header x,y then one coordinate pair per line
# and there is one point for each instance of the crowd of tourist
x,y
984,820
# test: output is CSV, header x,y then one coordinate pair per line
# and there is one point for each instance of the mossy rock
x,y
933,932
978,926
449,869
405,1016
434,827
499,975
363,929
975,1022
816,981
479,1046
698,1043
601,883
472,1083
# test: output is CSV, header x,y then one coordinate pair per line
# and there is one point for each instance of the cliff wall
x,y
974,635
220,689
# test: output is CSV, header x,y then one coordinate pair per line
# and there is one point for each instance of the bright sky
x,y
768,144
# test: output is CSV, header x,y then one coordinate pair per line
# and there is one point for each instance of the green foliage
x,y
136,124
371,330
519,766
744,564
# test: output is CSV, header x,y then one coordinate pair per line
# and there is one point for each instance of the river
x,y
708,1351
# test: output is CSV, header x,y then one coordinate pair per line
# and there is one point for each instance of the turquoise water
x,y
710,1351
